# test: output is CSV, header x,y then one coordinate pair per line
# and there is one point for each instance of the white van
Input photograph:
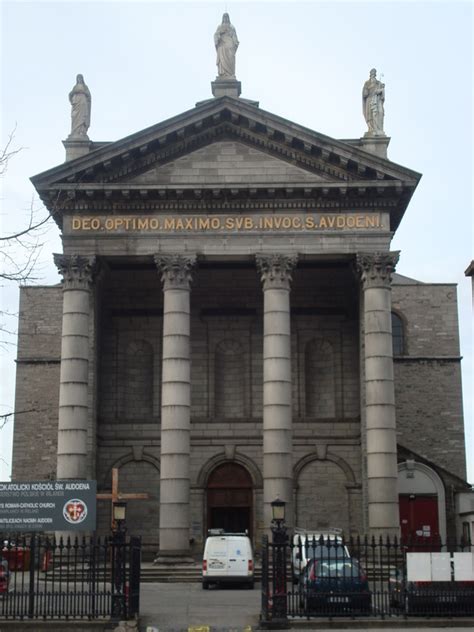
x,y
309,545
228,558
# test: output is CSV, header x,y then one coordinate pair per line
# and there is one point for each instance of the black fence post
x,y
134,577
92,578
279,616
31,597
264,619
118,576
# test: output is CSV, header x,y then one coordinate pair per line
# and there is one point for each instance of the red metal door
x,y
419,521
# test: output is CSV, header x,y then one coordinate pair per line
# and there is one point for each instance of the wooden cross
x,y
115,495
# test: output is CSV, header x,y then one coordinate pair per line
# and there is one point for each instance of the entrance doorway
x,y
419,521
230,499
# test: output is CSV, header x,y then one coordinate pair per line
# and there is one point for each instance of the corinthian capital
x,y
275,270
77,271
175,270
375,268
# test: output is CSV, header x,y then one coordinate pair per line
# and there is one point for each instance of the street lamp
x,y
278,510
279,617
119,511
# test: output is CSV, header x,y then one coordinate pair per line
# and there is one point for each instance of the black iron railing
x,y
70,578
365,577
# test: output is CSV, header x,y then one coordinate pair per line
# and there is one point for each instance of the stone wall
x,y
37,383
428,376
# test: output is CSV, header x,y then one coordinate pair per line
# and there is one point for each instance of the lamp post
x,y
279,617
118,560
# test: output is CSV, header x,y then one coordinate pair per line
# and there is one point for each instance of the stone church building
x,y
230,328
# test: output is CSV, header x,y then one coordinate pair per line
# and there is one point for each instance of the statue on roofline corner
x,y
226,42
373,97
80,99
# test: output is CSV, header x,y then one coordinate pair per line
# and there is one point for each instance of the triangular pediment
x,y
227,145
228,163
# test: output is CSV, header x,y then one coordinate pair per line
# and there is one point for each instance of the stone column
x,y
77,272
275,271
175,407
375,270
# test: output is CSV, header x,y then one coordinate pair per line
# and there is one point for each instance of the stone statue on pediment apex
x,y
226,43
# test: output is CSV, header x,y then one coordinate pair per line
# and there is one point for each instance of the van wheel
x,y
205,585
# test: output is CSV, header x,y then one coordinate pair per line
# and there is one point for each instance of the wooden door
x,y
230,499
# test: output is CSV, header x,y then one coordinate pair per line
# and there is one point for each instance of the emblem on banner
x,y
75,511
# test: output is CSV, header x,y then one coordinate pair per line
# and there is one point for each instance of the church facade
x,y
230,329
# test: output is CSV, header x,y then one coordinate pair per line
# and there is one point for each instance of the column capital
x,y
275,270
78,271
375,268
175,270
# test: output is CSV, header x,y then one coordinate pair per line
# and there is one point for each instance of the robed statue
x,y
80,99
373,97
226,42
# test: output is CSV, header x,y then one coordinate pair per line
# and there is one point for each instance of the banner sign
x,y
220,223
48,506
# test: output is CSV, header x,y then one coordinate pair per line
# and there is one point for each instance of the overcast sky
x,y
147,61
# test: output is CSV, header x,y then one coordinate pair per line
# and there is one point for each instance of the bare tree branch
x,y
20,250
4,419
6,153
26,230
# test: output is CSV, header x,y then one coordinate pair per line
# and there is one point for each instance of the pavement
x,y
176,607
186,607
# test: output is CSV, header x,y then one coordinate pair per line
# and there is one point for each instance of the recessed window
x,y
398,336
320,376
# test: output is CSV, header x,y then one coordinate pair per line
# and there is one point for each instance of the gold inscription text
x,y
302,222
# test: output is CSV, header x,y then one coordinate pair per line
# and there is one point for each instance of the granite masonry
x,y
230,328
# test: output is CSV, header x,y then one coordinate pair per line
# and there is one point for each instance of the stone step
x,y
175,574
149,573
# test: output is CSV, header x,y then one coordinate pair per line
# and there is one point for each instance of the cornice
x,y
194,129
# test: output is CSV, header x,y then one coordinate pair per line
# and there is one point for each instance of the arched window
x,y
398,335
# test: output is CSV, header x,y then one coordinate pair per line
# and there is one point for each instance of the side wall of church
x,y
37,383
428,387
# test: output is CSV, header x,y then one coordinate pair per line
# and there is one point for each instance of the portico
x,y
204,355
